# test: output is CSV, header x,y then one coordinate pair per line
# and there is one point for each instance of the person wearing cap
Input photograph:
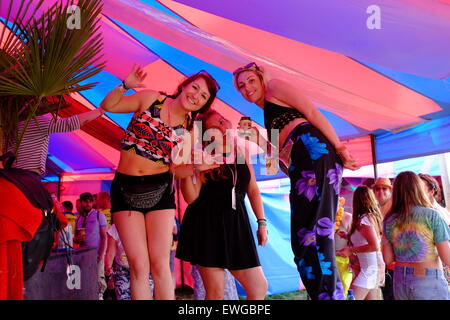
x,y
383,192
91,227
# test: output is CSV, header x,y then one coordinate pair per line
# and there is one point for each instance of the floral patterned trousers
x,y
315,173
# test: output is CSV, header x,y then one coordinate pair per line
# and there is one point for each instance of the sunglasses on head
x,y
206,73
246,67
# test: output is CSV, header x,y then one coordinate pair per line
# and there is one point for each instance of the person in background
x,y
91,227
434,192
31,156
417,239
117,267
33,150
229,292
383,192
364,238
103,204
315,165
70,216
342,228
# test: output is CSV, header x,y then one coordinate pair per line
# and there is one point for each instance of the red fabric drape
x,y
19,221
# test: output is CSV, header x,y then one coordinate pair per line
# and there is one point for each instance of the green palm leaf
x,y
41,58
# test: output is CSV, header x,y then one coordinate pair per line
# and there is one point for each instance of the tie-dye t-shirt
x,y
415,242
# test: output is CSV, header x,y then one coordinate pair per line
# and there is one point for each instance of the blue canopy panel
x,y
429,165
429,138
276,256
106,82
155,4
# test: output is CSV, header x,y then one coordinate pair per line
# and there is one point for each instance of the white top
x,y
442,212
366,259
120,258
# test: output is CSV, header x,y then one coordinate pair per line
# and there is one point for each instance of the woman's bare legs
x,y
159,226
213,281
359,292
132,233
253,281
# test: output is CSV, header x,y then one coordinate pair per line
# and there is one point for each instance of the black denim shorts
x,y
142,193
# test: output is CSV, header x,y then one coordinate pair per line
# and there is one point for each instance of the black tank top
x,y
277,117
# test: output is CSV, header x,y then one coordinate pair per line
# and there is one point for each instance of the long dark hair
x,y
215,174
213,87
408,191
365,203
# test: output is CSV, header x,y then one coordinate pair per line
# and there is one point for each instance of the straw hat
x,y
385,182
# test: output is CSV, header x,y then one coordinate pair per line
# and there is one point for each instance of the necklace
x,y
234,179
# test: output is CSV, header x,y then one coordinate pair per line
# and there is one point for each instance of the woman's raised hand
x,y
347,159
135,78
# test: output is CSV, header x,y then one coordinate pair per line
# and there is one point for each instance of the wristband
x,y
124,86
262,223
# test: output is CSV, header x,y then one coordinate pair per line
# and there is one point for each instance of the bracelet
x,y
262,219
123,86
261,223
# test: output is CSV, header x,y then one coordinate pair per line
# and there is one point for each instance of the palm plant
x,y
42,59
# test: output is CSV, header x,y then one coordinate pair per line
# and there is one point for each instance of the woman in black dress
x,y
215,231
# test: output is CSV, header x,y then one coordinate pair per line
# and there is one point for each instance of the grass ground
x,y
188,294
295,295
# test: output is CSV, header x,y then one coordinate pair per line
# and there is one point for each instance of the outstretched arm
x,y
115,101
256,202
88,116
292,96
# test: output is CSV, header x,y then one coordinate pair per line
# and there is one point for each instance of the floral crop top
x,y
148,136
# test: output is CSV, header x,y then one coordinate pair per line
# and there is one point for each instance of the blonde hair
x,y
365,203
259,71
408,191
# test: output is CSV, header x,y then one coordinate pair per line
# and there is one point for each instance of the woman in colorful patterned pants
x,y
315,170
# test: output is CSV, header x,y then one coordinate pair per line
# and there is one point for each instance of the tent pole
x,y
374,155
443,161
59,186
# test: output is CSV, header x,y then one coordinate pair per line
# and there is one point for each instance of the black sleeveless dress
x,y
212,233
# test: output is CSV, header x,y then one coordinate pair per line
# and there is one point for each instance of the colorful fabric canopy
x,y
364,79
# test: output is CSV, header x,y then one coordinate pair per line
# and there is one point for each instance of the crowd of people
x,y
397,236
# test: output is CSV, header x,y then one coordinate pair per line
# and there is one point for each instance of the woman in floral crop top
x,y
142,197
416,238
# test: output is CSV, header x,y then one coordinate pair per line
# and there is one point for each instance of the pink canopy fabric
x,y
320,48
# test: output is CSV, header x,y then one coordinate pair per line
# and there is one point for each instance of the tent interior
x,y
386,102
